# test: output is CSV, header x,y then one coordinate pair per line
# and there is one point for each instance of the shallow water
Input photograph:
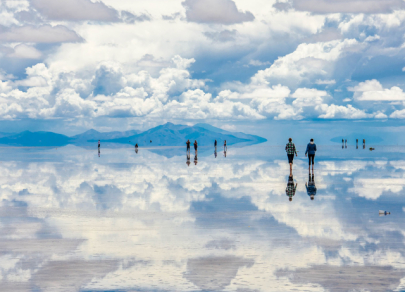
x,y
74,221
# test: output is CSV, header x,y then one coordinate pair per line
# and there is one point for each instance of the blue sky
x,y
78,64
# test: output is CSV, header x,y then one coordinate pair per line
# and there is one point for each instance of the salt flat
x,y
123,221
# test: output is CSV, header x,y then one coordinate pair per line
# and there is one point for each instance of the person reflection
x,y
99,152
310,186
195,158
188,158
215,152
225,153
290,189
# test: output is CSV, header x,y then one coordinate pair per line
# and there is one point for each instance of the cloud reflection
x,y
143,221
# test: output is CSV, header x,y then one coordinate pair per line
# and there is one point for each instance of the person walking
x,y
311,149
290,149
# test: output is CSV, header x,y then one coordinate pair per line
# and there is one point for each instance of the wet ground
x,y
71,220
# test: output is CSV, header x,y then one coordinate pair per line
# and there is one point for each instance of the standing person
x,y
215,143
290,149
188,145
225,148
195,145
311,149
98,144
136,148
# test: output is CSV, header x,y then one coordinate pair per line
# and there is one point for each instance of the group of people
x,y
310,153
196,144
188,143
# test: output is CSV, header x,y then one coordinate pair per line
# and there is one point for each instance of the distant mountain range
x,y
164,135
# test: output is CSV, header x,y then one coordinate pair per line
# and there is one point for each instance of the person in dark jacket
x,y
311,149
188,145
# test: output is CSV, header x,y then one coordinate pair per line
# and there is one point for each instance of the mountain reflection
x,y
73,221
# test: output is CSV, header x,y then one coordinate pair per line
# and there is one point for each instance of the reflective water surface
x,y
74,219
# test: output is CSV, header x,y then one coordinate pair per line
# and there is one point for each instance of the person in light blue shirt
x,y
311,149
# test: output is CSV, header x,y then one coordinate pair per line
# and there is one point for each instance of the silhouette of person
x,y
343,143
290,189
215,152
151,141
225,147
98,151
195,145
136,150
225,153
188,145
310,186
188,159
98,143
195,158
290,149
215,143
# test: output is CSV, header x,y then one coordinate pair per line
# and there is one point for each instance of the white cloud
x,y
372,90
305,97
325,82
341,112
215,11
307,61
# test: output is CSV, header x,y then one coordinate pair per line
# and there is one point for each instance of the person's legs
x,y
290,161
313,162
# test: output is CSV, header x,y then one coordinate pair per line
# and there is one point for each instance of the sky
x,y
70,65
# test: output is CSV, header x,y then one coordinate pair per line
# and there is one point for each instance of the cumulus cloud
x,y
348,6
341,112
372,90
41,34
75,10
306,62
215,11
